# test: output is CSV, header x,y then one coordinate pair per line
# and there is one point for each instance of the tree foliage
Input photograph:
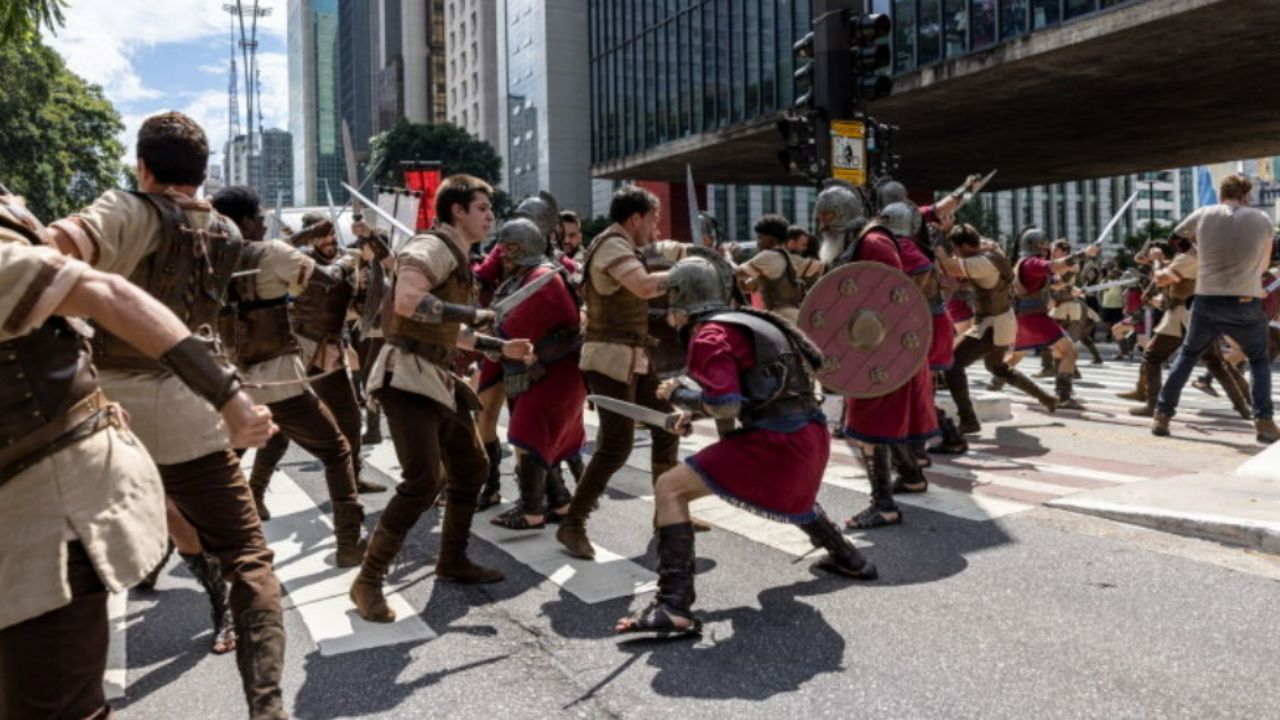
x,y
20,20
981,217
58,134
450,145
1133,242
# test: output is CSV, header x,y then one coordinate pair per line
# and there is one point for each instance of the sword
x,y
245,273
695,230
278,215
967,192
503,307
1107,230
386,216
1090,289
333,214
1275,285
662,421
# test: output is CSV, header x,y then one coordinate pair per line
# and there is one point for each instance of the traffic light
x,y
800,155
804,53
870,56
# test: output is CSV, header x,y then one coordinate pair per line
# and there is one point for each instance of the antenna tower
x,y
248,44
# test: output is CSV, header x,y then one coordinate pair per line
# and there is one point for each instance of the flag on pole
x,y
1206,193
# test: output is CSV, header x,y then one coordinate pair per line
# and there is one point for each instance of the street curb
x,y
1257,535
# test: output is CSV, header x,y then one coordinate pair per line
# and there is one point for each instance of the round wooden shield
x,y
873,326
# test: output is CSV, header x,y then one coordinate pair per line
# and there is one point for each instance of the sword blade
x,y
503,307
640,413
972,192
386,216
1115,219
1275,285
695,232
245,273
1108,285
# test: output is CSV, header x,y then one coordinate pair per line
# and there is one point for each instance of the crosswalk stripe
x,y
301,536
115,678
608,577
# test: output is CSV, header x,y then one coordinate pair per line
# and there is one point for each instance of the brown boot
x,y
572,534
1139,392
1267,430
348,521
258,486
1160,424
1030,387
366,591
453,563
260,658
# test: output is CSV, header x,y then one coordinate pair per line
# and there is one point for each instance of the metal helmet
x,y
844,203
696,286
902,218
1032,240
708,225
890,192
543,210
523,242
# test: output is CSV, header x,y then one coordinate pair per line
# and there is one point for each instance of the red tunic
x,y
771,473
546,421
906,415
941,348
1035,328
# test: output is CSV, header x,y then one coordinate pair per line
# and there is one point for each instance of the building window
x,y
956,26
1013,18
1045,13
983,33
1076,8
930,48
904,35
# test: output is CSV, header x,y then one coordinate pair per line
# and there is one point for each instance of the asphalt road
x,y
1033,613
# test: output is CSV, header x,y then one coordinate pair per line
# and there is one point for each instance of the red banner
x,y
425,181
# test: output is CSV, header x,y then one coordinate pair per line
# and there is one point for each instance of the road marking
x,y
115,679
608,577
301,536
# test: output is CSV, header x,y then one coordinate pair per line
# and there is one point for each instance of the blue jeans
x,y
1212,316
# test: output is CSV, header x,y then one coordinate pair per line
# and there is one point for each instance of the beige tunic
x,y
174,423
103,489
408,371
283,270
985,275
1175,320
615,360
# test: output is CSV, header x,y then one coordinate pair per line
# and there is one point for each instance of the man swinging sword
x,y
758,369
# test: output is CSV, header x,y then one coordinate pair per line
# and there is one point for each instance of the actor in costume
x,y
772,271
82,510
1069,309
375,267
1032,280
888,425
174,246
980,263
546,398
758,369
258,340
617,288
428,407
319,318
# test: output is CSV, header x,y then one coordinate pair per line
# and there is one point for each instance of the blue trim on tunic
x,y
874,440
723,494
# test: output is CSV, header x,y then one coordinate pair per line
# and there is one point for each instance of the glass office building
x,y
314,119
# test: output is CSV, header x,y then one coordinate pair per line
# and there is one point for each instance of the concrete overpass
x,y
1151,85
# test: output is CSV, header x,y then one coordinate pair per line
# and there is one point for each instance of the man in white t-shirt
x,y
1234,242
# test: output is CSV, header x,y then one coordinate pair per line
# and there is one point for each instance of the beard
x,y
832,246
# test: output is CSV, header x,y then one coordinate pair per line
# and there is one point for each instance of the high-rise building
x,y
473,84
314,118
408,44
268,169
357,94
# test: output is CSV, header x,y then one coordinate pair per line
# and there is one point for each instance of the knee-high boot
x,y
208,572
260,658
953,442
490,494
842,557
1066,401
1029,386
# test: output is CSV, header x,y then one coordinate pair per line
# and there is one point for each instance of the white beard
x,y
831,247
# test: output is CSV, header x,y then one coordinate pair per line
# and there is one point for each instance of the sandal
x,y
660,619
872,518
224,638
902,486
514,519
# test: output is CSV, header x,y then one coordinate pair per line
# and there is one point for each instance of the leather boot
x,y
258,482
958,386
372,428
348,521
1139,391
531,476
491,494
953,442
208,572
368,486
1204,384
1048,368
1267,430
149,582
1092,347
1063,388
1237,389
842,557
910,475
366,591
1029,386
572,533
879,474
260,658
675,568
453,563
1160,424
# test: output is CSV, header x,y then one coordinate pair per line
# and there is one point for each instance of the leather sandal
x,y
660,619
515,519
872,518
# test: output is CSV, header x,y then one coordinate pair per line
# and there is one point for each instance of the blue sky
x,y
156,55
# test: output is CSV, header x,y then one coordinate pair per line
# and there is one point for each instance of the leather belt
x,y
86,417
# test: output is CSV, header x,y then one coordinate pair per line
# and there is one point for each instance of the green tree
x,y
594,226
1133,242
21,19
450,145
57,132
981,217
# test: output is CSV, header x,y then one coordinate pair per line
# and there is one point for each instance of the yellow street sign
x,y
849,151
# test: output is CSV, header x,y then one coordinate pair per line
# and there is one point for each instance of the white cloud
x,y
101,40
